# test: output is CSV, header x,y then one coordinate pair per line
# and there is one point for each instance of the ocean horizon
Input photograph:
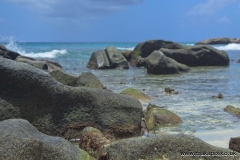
x,y
203,116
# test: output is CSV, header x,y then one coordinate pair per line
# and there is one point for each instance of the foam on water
x,y
50,54
125,48
229,47
11,45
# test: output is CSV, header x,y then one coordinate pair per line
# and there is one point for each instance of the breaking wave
x,y
228,47
12,45
125,48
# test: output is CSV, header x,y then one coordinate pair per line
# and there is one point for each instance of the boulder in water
x,y
158,63
110,58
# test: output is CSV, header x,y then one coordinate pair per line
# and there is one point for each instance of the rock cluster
x,y
224,40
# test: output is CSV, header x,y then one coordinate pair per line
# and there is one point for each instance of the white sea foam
x,y
49,54
125,48
11,45
232,46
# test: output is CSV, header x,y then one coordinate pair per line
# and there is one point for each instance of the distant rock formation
x,y
109,58
224,40
188,55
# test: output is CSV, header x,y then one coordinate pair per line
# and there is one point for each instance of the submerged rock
x,y
136,94
169,90
234,144
233,110
110,58
158,63
224,40
57,109
20,140
220,96
166,147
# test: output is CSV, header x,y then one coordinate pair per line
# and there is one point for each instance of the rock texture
x,y
86,79
233,110
8,111
164,147
20,140
158,63
110,58
136,94
46,65
57,109
93,141
223,40
198,56
234,144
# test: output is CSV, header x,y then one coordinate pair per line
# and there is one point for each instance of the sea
x,y
203,116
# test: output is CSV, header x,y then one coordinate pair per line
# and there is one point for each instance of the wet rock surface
x,y
233,110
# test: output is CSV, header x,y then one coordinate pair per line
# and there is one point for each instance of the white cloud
x,y
223,19
76,8
210,7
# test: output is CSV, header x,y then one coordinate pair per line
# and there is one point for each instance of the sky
x,y
118,20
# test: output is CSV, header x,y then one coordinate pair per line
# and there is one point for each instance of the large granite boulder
x,y
110,58
223,40
6,53
234,144
20,140
166,147
158,63
45,65
198,56
233,110
57,109
146,48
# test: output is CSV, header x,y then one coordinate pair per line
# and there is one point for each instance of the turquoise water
x,y
202,115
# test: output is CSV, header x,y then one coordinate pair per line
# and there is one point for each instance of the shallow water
x,y
202,115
